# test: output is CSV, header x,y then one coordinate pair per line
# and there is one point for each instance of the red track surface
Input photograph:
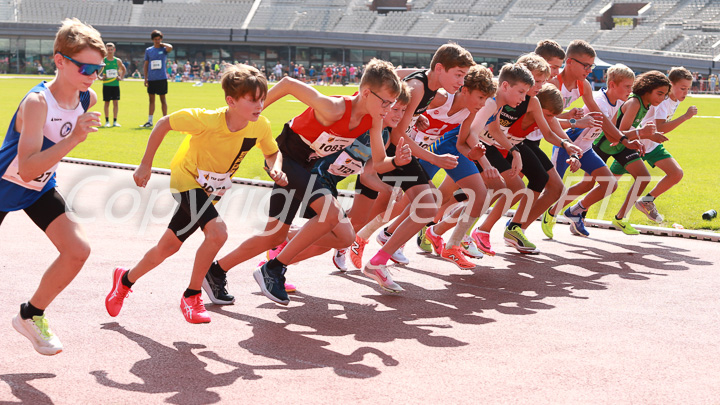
x,y
607,319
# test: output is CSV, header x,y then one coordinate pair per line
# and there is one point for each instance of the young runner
x,y
373,194
201,172
573,84
620,79
544,184
655,153
649,90
112,74
448,69
50,121
330,124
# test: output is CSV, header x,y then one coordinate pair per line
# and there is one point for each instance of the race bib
x,y
155,64
111,73
592,134
327,144
12,174
214,183
345,165
425,140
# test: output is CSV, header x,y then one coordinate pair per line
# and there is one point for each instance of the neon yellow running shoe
x,y
624,225
422,242
547,223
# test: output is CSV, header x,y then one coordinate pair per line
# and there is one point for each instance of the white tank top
x,y
59,123
569,96
440,123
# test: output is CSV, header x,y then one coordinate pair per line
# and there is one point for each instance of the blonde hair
x,y
550,98
380,74
451,55
535,63
404,96
74,36
619,72
239,80
480,78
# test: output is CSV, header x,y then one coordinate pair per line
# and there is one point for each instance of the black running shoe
x,y
216,286
271,286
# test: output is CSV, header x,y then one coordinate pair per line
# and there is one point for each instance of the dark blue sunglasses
x,y
86,69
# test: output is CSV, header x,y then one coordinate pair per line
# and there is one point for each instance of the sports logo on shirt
x,y
66,129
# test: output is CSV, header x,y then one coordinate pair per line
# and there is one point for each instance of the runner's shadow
x,y
296,351
174,370
26,393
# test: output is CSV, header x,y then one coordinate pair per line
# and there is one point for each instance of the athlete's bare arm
x,y
416,94
161,128
665,126
274,162
328,110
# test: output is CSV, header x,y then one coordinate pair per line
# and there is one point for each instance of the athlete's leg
x,y
73,247
673,175
642,179
163,103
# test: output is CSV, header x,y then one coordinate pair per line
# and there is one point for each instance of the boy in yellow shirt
x,y
201,172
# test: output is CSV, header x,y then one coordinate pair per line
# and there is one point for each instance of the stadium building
x,y
644,35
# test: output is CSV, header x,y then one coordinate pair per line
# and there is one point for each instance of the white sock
x,y
150,118
463,225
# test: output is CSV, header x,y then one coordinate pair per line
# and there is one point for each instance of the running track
x,y
608,319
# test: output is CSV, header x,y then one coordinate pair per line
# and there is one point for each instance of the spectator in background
x,y
713,82
136,74
195,71
186,71
112,74
40,68
328,75
155,74
206,72
277,70
351,71
174,68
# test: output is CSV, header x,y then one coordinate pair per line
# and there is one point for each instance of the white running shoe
x,y
471,250
382,238
115,124
381,274
650,210
399,257
339,260
39,334
108,125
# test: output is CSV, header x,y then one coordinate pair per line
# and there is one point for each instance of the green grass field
x,y
684,204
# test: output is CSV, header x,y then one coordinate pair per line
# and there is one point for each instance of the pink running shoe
x,y
114,300
482,240
356,251
194,310
274,252
436,241
290,288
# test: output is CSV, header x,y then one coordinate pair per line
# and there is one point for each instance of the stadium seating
x,y
689,26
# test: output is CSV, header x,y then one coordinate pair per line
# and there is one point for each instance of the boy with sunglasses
x,y
51,120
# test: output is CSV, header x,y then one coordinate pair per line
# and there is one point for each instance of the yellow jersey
x,y
210,154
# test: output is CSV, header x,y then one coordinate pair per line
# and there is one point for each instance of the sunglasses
x,y
384,103
586,66
86,69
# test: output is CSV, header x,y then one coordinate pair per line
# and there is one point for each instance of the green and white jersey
x,y
111,72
